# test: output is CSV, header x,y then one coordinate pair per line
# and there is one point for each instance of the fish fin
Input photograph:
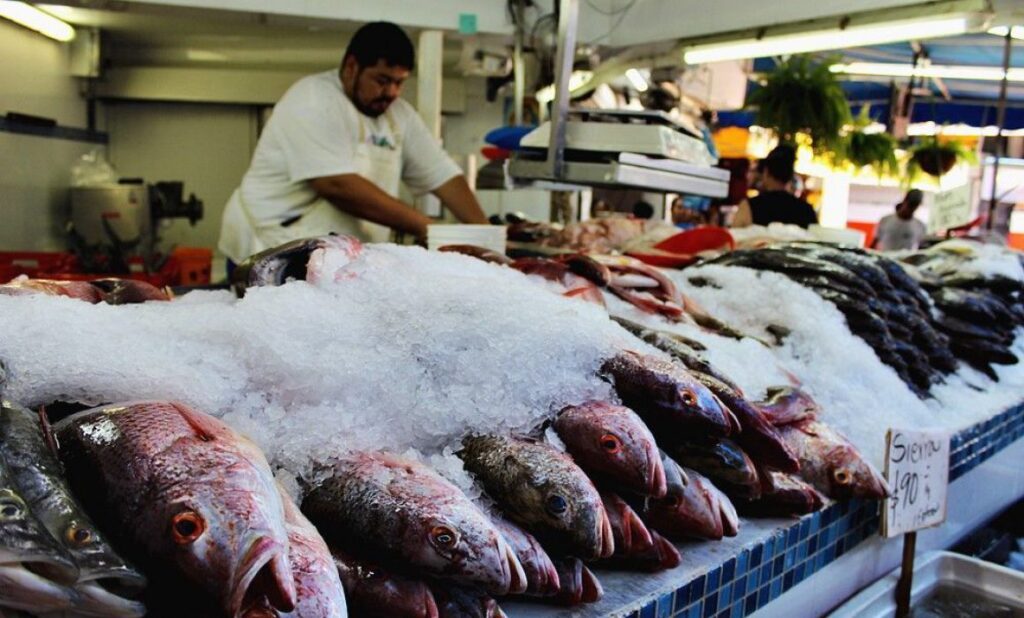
x,y
44,424
206,427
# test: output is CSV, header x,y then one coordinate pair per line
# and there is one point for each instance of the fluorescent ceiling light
x,y
1017,32
882,69
821,40
638,80
31,17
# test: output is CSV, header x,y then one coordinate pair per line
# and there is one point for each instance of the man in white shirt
x,y
332,155
901,231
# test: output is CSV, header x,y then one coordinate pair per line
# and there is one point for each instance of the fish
x,y
611,442
541,575
79,290
186,495
480,253
542,490
789,495
683,349
725,464
106,585
129,291
318,589
578,583
631,535
574,285
314,259
644,287
667,397
588,267
456,602
372,590
34,568
758,437
660,556
787,404
830,463
379,504
693,508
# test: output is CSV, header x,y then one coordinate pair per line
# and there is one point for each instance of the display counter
x,y
805,567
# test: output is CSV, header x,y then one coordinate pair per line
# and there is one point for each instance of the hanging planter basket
x,y
935,161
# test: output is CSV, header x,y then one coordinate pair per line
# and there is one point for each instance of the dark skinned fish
x,y
789,495
301,259
375,591
378,504
36,470
186,494
456,602
129,291
541,489
788,404
480,253
610,442
541,576
724,463
830,463
693,507
678,347
667,397
33,566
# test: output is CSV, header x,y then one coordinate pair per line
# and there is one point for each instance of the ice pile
x,y
412,350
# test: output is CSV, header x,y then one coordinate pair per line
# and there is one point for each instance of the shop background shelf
x,y
738,576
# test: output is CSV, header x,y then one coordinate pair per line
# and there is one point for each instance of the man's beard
x,y
375,107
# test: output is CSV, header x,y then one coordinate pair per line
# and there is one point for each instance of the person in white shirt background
x,y
334,151
900,230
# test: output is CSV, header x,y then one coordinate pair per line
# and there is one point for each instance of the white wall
x,y
208,147
36,170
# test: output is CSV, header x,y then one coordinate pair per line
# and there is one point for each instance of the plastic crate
x,y
66,267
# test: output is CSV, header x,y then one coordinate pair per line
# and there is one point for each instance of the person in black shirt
x,y
775,203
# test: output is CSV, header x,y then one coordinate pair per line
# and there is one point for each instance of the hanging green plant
x,y
877,149
803,96
935,157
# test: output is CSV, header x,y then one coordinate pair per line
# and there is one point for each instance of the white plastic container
x,y
490,236
995,583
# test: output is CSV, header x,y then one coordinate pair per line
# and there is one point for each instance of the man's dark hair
x,y
643,210
914,198
780,162
381,40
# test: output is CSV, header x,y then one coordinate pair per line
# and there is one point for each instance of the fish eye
x,y
843,476
556,505
11,508
689,398
187,526
444,537
672,501
611,443
77,534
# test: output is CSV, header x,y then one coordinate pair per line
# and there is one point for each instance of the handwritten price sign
x,y
917,470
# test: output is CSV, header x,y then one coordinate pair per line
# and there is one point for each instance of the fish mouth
x,y
94,599
513,576
56,569
605,535
637,536
23,589
263,571
548,583
657,485
119,580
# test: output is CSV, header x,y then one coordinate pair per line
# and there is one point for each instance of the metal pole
x,y
568,18
518,71
1000,121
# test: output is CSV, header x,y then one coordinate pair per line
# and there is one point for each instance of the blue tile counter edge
x,y
764,571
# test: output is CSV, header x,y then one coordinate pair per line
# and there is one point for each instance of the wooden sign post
x,y
917,472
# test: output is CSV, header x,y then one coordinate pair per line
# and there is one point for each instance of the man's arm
x,y
744,217
361,198
459,198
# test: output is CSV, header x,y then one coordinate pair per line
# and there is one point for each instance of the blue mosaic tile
x,y
694,611
776,587
777,566
649,610
723,614
794,534
683,597
750,604
812,544
725,596
697,591
737,611
710,606
800,569
714,578
755,555
635,614
665,605
741,562
766,572
728,570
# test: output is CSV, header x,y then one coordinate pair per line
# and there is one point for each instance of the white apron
x,y
381,165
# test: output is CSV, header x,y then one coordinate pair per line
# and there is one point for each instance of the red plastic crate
x,y
66,267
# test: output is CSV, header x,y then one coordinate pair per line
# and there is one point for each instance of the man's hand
x,y
459,198
357,196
